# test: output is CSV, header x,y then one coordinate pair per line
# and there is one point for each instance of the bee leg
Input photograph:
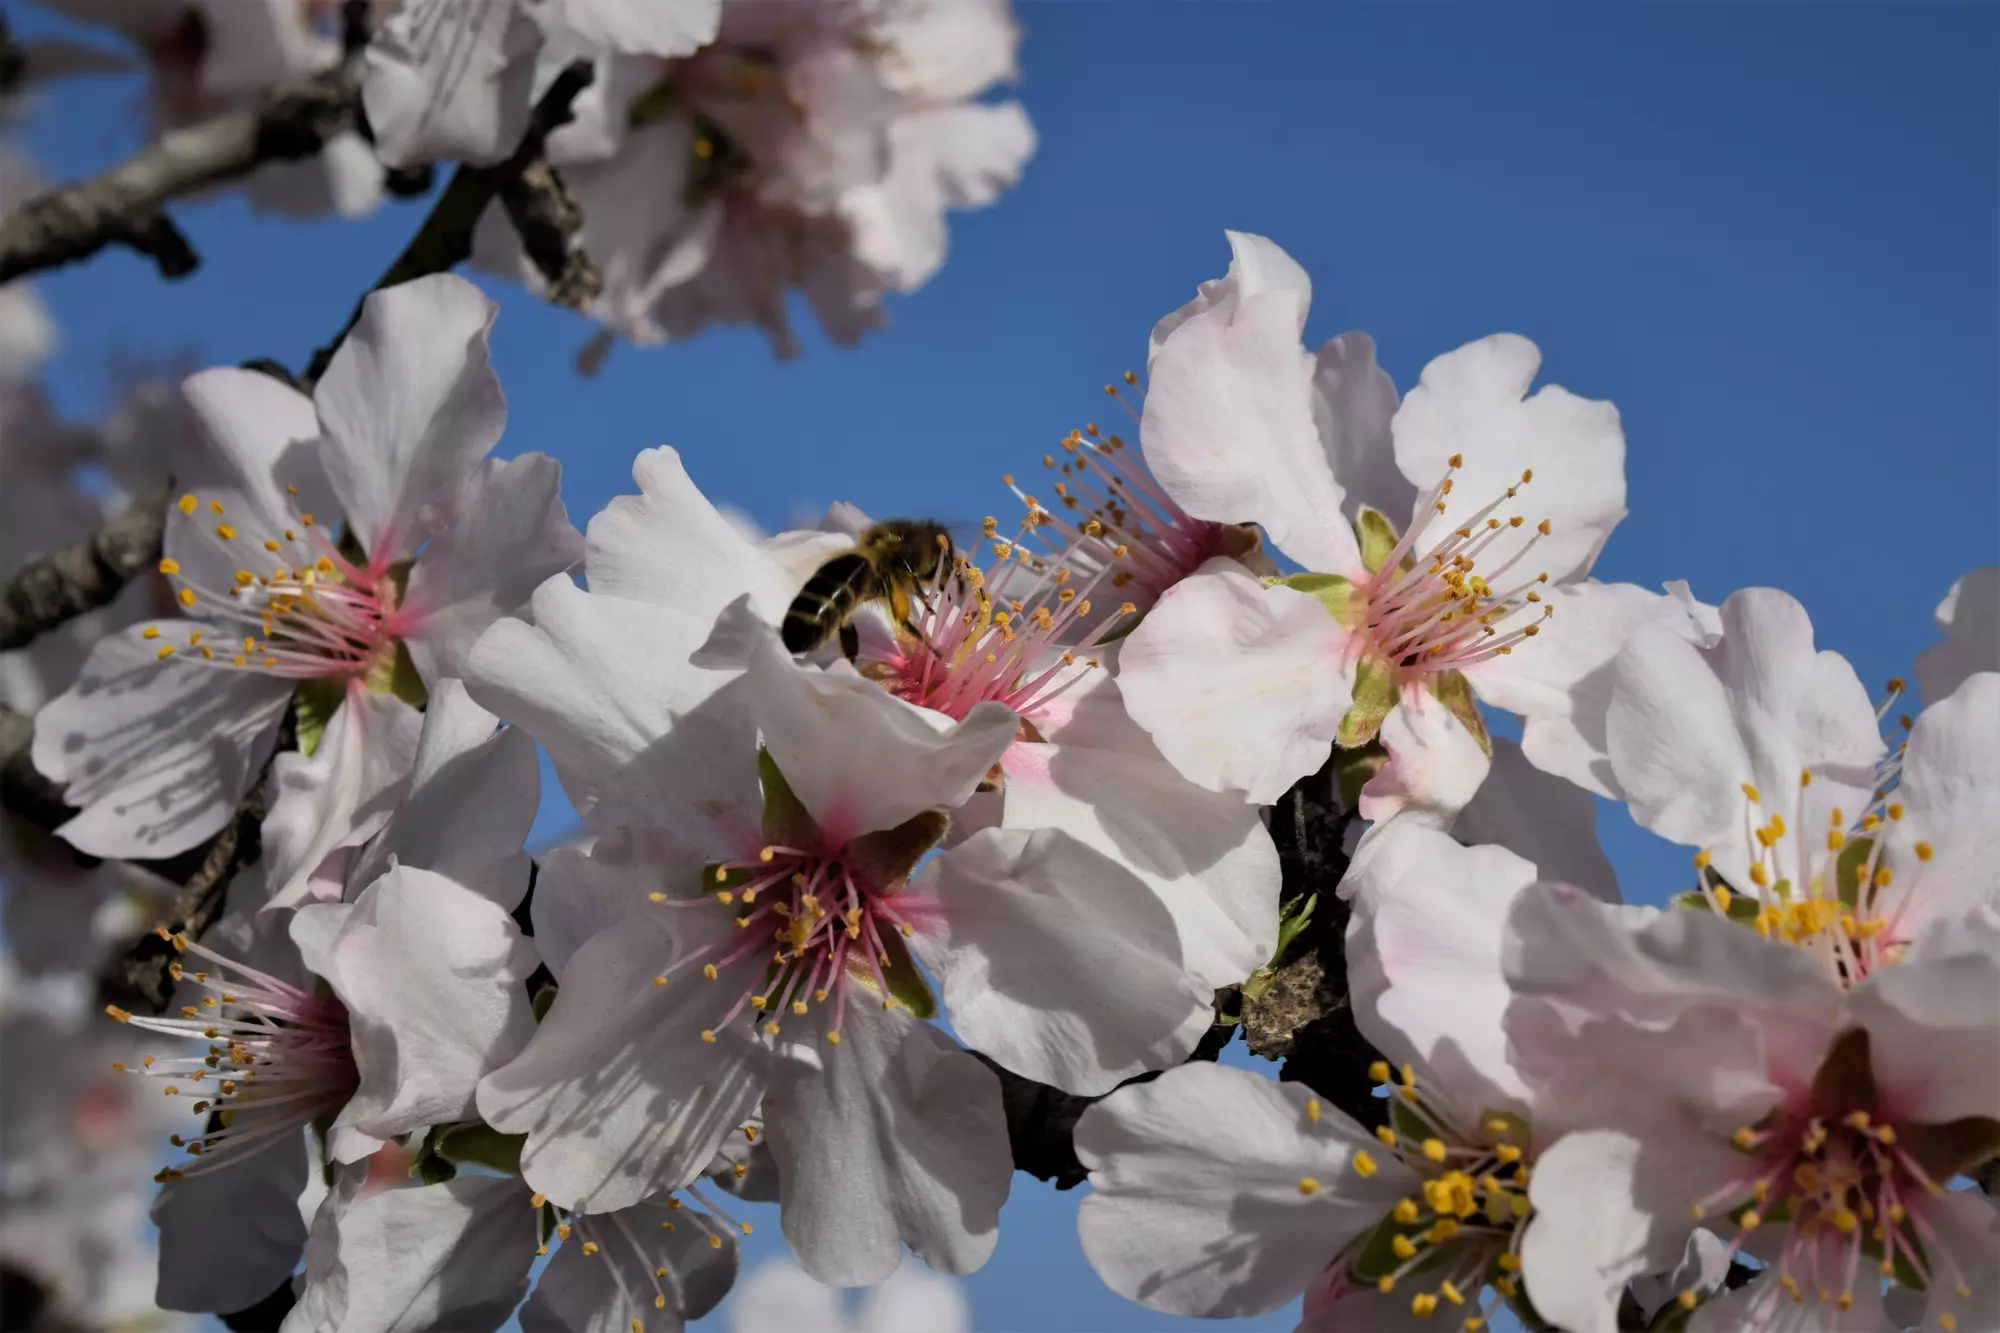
x,y
850,641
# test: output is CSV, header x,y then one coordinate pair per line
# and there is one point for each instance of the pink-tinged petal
x,y
1610,1206
409,405
1354,400
617,1092
1435,765
1424,951
1950,791
1539,816
575,1293
1762,1306
1205,855
859,758
1471,402
1228,427
155,753
493,542
669,546
339,796
472,797
948,52
638,736
661,28
259,435
1931,1023
1689,726
1703,1267
413,1258
228,1237
1257,265
1241,686
1969,615
450,79
578,894
1967,1224
434,979
953,156
1561,684
1057,961
896,1138
1200,1201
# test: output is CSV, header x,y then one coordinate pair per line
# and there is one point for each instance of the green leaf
x,y
1742,908
886,858
398,675
314,707
906,983
787,822
1355,768
1375,693
477,1144
1335,593
1377,537
1451,689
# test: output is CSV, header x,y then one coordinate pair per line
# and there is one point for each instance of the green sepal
x,y
906,984
398,676
429,1166
1377,537
1377,1258
1847,869
543,1001
477,1144
1356,768
887,858
1451,689
1335,593
1375,693
787,822
1742,908
1405,1121
655,104
313,707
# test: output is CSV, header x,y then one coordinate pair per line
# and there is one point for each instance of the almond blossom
x,y
1425,598
171,720
1969,616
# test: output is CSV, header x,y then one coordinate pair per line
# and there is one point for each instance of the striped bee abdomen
x,y
829,597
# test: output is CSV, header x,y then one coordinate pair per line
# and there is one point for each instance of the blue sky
x,y
1767,232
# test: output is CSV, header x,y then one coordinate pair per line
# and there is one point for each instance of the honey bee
x,y
890,563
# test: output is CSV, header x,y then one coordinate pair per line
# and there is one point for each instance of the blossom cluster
x,y
843,784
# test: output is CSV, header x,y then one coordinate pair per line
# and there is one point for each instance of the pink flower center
x,y
1011,632
296,607
1462,600
278,1058
806,925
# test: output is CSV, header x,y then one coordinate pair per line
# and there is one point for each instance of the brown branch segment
x,y
23,789
126,205
534,198
85,575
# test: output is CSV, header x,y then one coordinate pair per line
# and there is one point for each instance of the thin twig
x,y
126,205
24,792
85,575
539,206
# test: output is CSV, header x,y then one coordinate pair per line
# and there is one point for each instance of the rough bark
x,y
85,575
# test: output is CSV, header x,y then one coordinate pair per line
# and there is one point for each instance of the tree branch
x,y
85,575
125,205
23,789
533,195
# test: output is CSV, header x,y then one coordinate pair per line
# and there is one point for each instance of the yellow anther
x,y
224,531
1509,1262
1923,851
1308,1186
166,651
1379,1071
1451,1293
1364,1164
1385,1285
1760,876
1723,897
1386,1135
1750,790
1312,1110
833,1038
1701,859
1455,461
1508,1152
1435,1150
1422,1304
1404,1247
1895,809
1751,1220
150,632
1405,1212
188,503
589,1248
1835,840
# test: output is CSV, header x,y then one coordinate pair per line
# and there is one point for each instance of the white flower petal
x,y
414,1258
1057,961
1241,686
155,754
1354,400
1228,426
493,542
1689,726
434,979
410,404
618,1094
1435,764
580,894
897,1138
450,79
338,797
637,735
1424,950
1536,815
1197,1205
1969,615
1470,402
1950,791
636,27
1930,1020
1968,1227
669,546
472,797
229,1236
576,1293
1256,265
